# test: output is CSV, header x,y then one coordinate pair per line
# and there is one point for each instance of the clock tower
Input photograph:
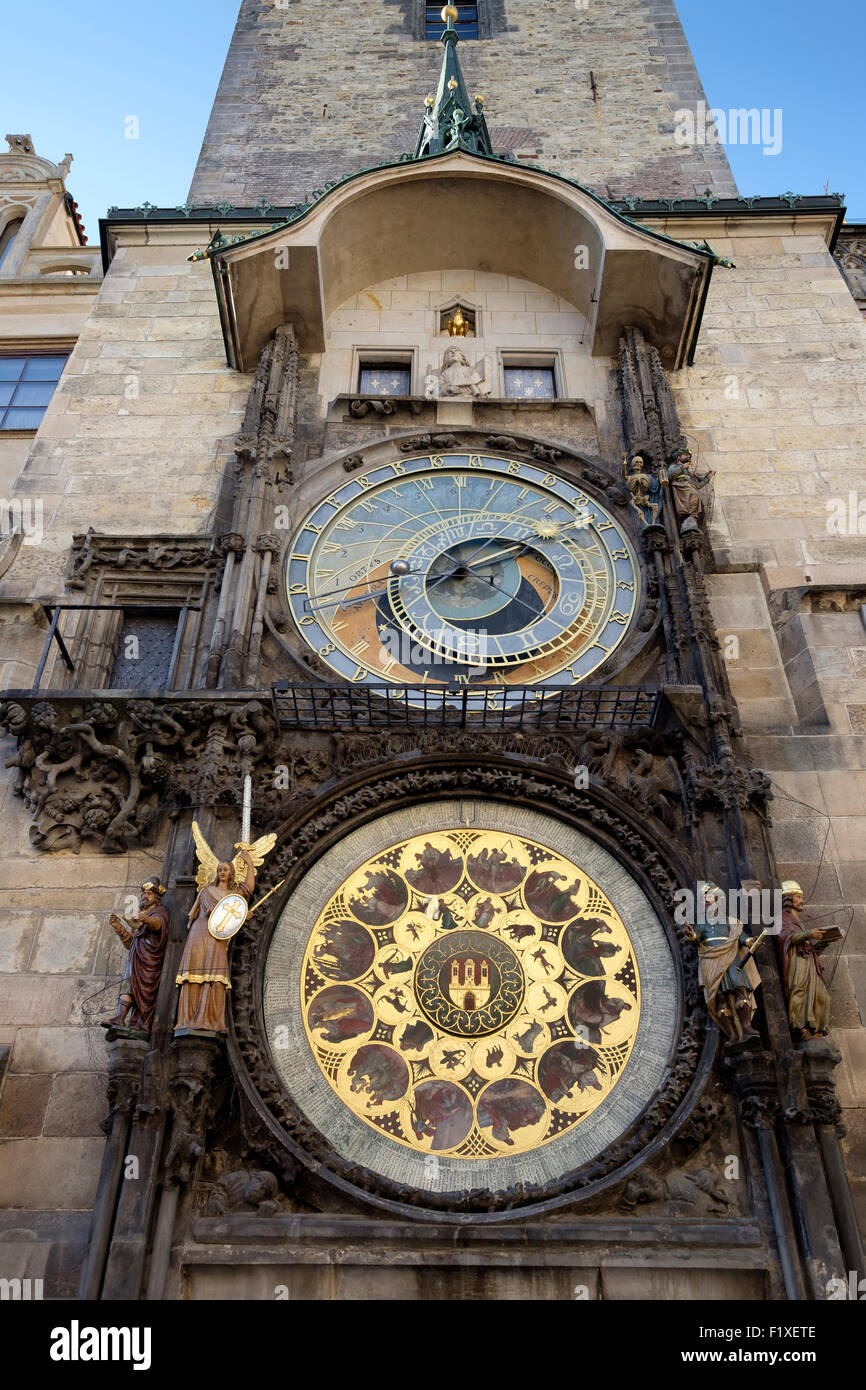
x,y
444,611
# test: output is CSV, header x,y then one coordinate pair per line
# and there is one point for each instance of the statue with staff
x,y
218,913
726,967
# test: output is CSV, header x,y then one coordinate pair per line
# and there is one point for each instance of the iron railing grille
x,y
332,707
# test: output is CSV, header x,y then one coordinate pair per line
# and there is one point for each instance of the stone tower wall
x,y
305,99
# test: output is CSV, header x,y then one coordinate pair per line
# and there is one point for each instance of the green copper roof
x,y
449,122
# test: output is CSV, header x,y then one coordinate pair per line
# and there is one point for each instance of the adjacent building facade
x,y
460,490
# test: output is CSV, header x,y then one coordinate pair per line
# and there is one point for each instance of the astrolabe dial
x,y
462,569
470,992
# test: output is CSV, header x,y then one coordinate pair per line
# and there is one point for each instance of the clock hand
x,y
580,520
494,558
514,599
332,597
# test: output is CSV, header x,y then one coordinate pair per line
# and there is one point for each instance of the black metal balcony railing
x,y
330,707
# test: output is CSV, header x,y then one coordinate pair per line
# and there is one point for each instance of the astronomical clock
x,y
462,569
465,991
465,994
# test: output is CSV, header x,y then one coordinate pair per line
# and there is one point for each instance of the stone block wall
x,y
776,404
310,96
60,971
139,432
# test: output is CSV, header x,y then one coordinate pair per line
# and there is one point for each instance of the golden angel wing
x,y
257,851
207,860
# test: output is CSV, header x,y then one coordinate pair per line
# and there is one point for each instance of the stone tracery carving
x,y
163,554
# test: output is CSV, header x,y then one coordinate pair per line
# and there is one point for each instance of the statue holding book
x,y
801,947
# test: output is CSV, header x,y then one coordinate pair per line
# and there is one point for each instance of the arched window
x,y
8,235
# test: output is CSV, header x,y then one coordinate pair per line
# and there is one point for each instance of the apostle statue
x,y
145,934
726,967
803,973
457,377
691,492
218,912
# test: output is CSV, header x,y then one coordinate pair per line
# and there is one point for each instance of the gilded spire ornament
x,y
450,122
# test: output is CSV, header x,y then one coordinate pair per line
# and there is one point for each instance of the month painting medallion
x,y
467,992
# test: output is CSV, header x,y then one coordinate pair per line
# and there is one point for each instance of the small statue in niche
x,y
803,973
457,377
726,967
145,935
459,325
691,491
644,490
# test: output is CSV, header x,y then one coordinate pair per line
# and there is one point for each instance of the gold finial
x,y
450,12
429,102
452,85
479,100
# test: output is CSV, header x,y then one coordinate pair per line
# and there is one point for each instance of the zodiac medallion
x,y
470,992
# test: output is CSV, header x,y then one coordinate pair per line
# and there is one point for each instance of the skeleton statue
x,y
644,490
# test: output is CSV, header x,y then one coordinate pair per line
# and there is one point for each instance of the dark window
x,y
530,383
466,25
385,379
26,386
144,651
8,235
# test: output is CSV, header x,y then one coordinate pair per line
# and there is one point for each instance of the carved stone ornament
x,y
242,1192
99,770
458,377
351,805
162,554
266,437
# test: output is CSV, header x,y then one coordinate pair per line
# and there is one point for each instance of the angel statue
x,y
219,911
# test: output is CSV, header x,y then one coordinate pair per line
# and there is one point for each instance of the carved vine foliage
x,y
91,551
102,770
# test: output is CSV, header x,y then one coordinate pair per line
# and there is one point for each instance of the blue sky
x,y
161,62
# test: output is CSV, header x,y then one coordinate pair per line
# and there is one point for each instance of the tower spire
x,y
450,123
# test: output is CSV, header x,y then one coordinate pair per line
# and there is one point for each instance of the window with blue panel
x,y
530,383
466,25
385,379
26,386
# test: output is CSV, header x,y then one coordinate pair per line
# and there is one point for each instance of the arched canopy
x,y
460,211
